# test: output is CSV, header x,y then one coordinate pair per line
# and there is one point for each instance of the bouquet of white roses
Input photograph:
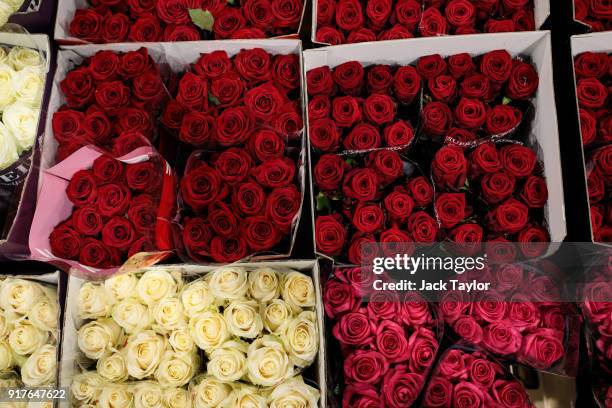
x,y
28,333
234,337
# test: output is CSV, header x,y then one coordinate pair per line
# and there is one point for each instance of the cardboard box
x,y
544,134
70,351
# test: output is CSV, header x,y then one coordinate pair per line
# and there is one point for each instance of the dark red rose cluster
x,y
597,310
352,21
114,215
111,101
468,378
367,199
352,107
594,81
595,13
112,21
388,345
467,98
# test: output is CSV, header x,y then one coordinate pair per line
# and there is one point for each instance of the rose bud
x,y
401,388
387,163
380,79
340,298
399,204
65,242
368,217
588,127
499,26
330,234
535,192
226,250
407,84
460,13
591,65
501,338
81,189
397,32
362,366
324,135
379,109
363,248
398,134
591,93
361,184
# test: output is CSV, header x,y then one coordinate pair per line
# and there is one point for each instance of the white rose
x,y
181,341
6,356
176,369
7,92
176,398
22,121
29,86
93,302
86,387
275,314
44,314
169,315
245,397
6,326
16,4
39,369
99,337
147,395
116,396
264,284
209,330
301,339
132,315
267,362
113,367
121,287
47,404
228,283
294,393
196,298
209,393
298,291
21,57
155,285
19,295
8,148
26,338
6,10
228,362
144,352
243,319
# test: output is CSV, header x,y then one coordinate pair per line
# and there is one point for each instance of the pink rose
x,y
508,276
391,341
453,305
339,298
523,313
361,396
453,365
467,395
365,366
542,348
354,328
490,307
501,338
468,329
438,394
510,394
414,310
552,317
401,388
482,372
423,347
383,305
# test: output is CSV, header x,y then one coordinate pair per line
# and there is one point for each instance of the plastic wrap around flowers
x,y
388,345
597,310
28,333
232,338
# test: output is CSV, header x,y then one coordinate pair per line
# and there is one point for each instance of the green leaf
x,y
213,99
323,203
231,2
351,162
202,18
506,100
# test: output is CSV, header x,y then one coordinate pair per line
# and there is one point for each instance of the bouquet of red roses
x,y
352,21
112,21
244,192
595,13
467,377
111,101
388,345
594,76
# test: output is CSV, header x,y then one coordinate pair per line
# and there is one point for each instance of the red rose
x,y
127,143
329,171
511,216
467,328
234,126
401,388
469,236
107,170
499,26
387,163
87,220
78,87
399,205
223,221
452,306
104,65
601,10
214,65
319,107
233,165
81,189
362,137
112,96
437,118
439,393
229,21
378,12
471,113
193,92
520,161
340,298
227,89
460,137
346,111
142,213
134,63
588,127
287,71
289,122
497,187
181,32
130,120
523,82
173,11
524,20
431,66
501,338
535,192
97,127
421,191
460,13
264,101
502,119
443,88
266,144
450,209
287,13
398,134
496,65
591,93
368,218
484,159
145,176
283,205
94,253
325,12
449,167
602,159
202,186
407,84
532,241
354,329
258,13
67,125
361,184
113,199
197,129
254,65
432,23
476,86
349,14
275,173
226,250
363,366
115,28
329,35
422,227
86,24
380,79
249,198
460,65
65,242
361,34
320,81
509,393
349,77
118,233
330,235
591,65
362,249
379,109
423,348
146,29
596,187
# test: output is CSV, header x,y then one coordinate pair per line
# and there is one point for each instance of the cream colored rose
x,y
15,4
267,362
132,315
22,57
264,284
245,397
298,291
93,301
26,338
275,314
209,330
4,51
6,356
7,92
155,285
29,86
116,396
6,10
243,319
44,314
86,387
176,398
294,393
99,337
176,369
22,121
46,404
121,287
147,394
6,326
144,352
196,298
8,148
19,295
169,315
228,283
40,368
209,393
301,339
228,362
113,367
181,341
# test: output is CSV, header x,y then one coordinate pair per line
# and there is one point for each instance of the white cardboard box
x,y
544,136
541,13
70,351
